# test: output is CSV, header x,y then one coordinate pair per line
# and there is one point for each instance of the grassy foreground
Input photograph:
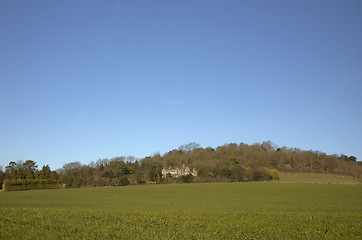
x,y
185,211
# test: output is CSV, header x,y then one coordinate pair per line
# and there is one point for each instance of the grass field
x,y
317,178
185,211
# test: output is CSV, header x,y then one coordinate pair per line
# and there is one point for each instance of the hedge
x,y
21,184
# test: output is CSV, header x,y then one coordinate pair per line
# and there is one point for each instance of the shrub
x,y
123,181
185,178
274,173
237,173
21,184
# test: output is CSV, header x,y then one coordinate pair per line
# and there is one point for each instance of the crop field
x,y
185,211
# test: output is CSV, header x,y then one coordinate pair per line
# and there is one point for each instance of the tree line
x,y
230,162
25,176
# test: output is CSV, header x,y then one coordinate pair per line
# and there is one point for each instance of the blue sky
x,y
83,80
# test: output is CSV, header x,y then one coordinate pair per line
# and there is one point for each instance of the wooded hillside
x,y
230,162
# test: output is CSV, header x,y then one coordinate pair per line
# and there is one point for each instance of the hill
x,y
228,163
221,162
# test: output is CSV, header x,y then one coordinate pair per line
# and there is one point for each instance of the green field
x,y
317,178
185,211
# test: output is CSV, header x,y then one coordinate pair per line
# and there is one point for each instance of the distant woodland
x,y
228,163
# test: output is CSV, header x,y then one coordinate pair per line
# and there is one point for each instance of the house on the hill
x,y
178,172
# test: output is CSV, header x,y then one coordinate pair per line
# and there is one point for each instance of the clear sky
x,y
83,80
